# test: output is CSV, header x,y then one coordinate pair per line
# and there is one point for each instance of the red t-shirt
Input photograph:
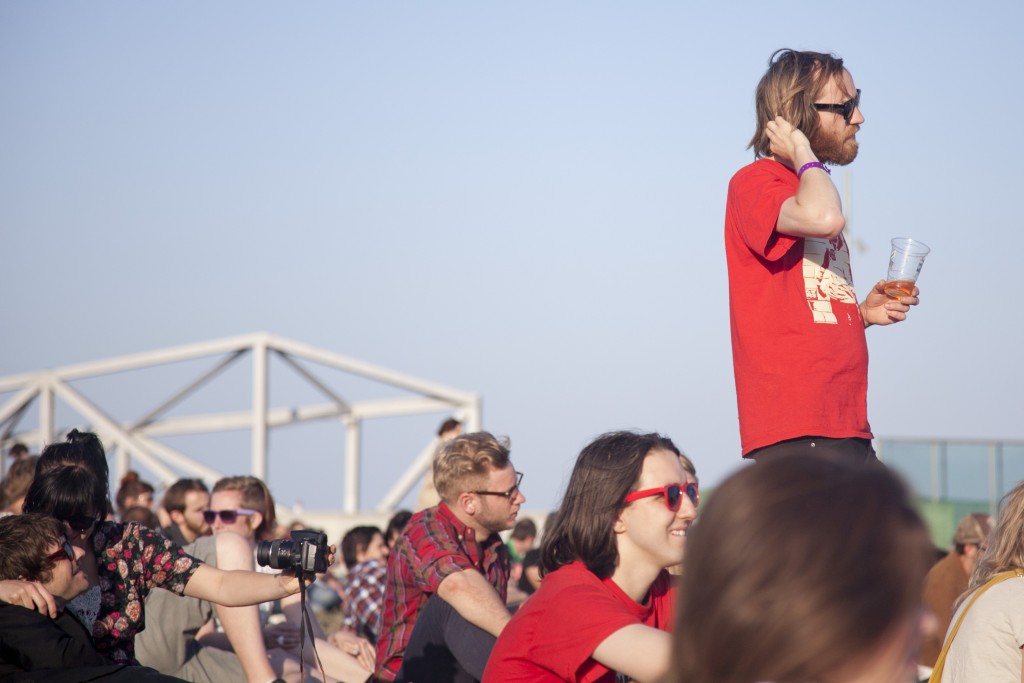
x,y
798,347
555,632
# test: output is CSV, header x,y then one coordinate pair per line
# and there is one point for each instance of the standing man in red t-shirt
x,y
799,352
449,568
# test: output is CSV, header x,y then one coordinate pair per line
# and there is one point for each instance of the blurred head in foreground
x,y
803,569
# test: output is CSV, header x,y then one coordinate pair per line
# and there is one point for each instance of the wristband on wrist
x,y
813,164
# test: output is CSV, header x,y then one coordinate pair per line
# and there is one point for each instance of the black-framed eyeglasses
x,y
673,494
846,108
65,551
510,494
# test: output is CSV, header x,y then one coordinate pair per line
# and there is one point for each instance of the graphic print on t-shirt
x,y
827,277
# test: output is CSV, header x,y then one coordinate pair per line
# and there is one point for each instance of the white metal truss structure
x,y
138,438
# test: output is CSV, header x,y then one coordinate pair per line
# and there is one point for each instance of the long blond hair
x,y
1005,543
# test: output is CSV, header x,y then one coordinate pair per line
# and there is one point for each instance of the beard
x,y
838,150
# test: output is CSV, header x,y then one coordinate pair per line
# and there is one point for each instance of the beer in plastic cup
x,y
905,263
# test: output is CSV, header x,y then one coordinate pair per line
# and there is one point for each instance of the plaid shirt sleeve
x,y
433,546
364,598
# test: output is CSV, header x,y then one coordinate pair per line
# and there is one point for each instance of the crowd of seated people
x,y
801,568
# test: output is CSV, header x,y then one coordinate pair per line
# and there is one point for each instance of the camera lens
x,y
277,554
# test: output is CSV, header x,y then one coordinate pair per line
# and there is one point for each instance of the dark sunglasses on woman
x,y
80,523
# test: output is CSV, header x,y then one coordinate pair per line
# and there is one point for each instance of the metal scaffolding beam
x,y
138,438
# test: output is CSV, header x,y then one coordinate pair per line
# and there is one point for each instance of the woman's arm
x,y
237,588
619,651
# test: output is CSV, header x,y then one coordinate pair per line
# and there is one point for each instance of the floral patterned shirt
x,y
132,560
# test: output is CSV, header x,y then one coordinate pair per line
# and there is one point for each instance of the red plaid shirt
x,y
433,545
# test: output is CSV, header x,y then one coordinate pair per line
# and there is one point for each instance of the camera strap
x,y
304,626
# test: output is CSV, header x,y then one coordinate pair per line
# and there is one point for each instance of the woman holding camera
x,y
606,602
123,562
243,505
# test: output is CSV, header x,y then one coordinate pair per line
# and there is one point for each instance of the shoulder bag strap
x,y
941,661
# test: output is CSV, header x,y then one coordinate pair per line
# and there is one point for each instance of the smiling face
x,y
647,531
835,141
67,578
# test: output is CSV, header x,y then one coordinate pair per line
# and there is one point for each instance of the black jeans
x,y
852,449
444,647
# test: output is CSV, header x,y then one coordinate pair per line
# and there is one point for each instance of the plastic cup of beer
x,y
905,263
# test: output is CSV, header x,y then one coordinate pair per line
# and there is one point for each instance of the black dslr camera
x,y
305,553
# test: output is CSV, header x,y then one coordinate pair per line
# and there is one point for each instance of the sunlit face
x,y
244,525
376,550
190,520
647,530
67,578
495,513
835,141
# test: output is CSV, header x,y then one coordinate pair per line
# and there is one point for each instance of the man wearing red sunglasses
x,y
799,350
33,646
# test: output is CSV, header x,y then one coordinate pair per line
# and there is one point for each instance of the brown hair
x,y
355,540
131,487
255,496
19,477
606,470
524,529
793,82
463,463
174,496
798,565
24,540
143,515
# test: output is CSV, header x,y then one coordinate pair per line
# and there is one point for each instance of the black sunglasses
x,y
80,523
673,495
846,108
510,494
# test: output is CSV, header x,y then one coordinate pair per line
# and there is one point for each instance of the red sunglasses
x,y
673,495
65,552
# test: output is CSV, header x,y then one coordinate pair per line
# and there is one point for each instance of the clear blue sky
x,y
522,199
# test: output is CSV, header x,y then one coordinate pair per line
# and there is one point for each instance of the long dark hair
x,y
799,565
606,470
